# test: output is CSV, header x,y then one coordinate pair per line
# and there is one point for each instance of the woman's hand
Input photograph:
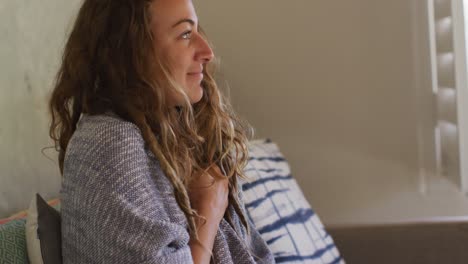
x,y
208,193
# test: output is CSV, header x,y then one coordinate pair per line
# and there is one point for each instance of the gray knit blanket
x,y
118,207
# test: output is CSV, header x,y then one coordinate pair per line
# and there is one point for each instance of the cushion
x,y
43,233
278,209
13,241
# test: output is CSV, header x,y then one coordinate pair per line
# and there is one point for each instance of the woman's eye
x,y
187,34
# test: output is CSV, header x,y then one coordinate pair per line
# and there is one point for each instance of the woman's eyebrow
x,y
185,20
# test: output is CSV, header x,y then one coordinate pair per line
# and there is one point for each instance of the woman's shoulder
x,y
107,125
108,148
105,135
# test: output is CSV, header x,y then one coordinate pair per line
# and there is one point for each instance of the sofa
x,y
294,232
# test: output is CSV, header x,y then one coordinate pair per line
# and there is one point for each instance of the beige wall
x,y
320,73
344,88
32,34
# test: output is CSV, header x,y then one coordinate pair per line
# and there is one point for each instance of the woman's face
x,y
176,37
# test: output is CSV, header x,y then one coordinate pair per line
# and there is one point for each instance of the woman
x,y
149,150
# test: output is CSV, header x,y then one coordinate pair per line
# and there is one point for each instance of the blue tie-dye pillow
x,y
280,212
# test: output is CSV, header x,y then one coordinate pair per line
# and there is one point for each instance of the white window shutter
x,y
448,58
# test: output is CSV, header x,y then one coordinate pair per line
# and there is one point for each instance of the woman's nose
x,y
205,53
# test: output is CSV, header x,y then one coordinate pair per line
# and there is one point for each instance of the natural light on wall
x,y
447,24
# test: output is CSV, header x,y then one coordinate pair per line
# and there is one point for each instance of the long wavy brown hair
x,y
109,64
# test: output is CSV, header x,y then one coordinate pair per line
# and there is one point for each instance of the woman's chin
x,y
196,95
